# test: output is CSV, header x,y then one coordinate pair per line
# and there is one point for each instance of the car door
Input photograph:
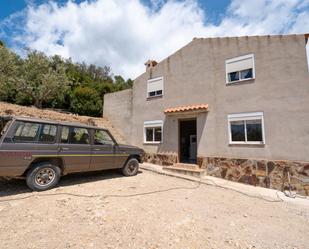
x,y
28,141
75,148
18,147
103,151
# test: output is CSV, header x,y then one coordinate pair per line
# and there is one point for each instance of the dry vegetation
x,y
16,110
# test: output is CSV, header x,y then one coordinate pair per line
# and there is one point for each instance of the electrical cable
x,y
212,183
97,196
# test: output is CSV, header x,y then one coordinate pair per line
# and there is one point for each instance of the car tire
x,y
131,167
43,176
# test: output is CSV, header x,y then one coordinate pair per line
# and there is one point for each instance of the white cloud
x,y
125,33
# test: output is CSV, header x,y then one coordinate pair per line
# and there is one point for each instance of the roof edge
x,y
189,108
224,37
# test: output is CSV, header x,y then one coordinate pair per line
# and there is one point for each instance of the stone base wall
x,y
263,173
161,159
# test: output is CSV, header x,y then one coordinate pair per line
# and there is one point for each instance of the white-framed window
x,y
155,87
240,69
246,128
153,131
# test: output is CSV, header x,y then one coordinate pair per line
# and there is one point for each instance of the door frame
x,y
179,121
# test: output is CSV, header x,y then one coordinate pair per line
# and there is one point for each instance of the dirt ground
x,y
145,211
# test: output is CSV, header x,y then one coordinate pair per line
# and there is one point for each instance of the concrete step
x,y
183,169
186,166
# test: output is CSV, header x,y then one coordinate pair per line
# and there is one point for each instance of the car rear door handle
x,y
65,148
96,149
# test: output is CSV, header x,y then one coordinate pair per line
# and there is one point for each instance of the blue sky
x,y
214,10
8,7
124,34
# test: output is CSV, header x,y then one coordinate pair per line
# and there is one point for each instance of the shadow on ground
x,y
10,187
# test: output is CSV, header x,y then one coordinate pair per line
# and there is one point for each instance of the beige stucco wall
x,y
196,74
118,109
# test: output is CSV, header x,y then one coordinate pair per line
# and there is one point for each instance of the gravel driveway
x,y
145,211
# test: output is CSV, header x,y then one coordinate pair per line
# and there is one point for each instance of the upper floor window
x,y
153,131
240,68
246,128
155,87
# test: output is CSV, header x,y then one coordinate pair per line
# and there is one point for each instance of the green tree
x,y
43,78
86,101
10,74
55,82
121,84
129,83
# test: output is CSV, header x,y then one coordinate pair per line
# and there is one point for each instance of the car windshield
x,y
4,123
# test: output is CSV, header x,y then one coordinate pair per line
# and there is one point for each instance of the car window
x,y
74,135
102,137
26,132
4,124
48,133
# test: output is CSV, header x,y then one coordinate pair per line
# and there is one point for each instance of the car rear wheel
x,y
43,176
131,167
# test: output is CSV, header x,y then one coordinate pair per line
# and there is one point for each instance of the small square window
x,y
155,87
153,132
246,128
240,68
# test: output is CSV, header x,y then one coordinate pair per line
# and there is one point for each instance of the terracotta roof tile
x,y
186,108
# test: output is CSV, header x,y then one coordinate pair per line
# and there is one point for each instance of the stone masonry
x,y
160,159
264,173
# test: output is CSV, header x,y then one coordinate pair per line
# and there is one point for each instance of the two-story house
x,y
237,107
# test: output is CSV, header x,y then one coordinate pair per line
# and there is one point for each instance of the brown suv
x,y
43,150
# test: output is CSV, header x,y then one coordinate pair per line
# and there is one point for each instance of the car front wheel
x,y
43,176
131,167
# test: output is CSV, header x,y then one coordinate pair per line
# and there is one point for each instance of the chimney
x,y
150,64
